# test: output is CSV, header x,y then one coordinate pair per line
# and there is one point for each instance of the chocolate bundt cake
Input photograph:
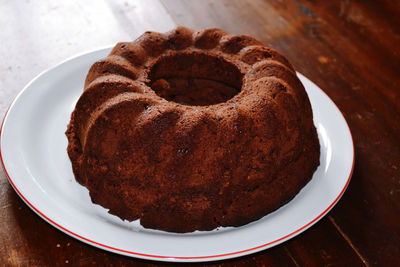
x,y
192,130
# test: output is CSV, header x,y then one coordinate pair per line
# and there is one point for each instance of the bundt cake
x,y
192,130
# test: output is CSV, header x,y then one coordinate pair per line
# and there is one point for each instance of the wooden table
x,y
351,49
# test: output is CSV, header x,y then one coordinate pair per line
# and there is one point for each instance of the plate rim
x,y
164,257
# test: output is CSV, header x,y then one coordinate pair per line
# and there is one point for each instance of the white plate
x,y
33,153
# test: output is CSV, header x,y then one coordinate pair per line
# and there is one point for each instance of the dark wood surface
x,y
351,49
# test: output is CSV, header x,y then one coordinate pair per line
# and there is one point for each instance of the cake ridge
x,y
111,65
254,53
108,77
130,52
232,44
98,92
111,103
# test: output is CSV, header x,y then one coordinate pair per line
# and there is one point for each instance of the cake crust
x,y
192,130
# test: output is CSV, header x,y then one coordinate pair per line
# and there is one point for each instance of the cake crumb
x,y
323,59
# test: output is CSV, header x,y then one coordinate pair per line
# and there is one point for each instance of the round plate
x,y
33,154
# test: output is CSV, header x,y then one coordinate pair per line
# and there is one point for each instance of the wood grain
x,y
351,49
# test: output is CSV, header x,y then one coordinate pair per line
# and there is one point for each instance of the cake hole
x,y
195,79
